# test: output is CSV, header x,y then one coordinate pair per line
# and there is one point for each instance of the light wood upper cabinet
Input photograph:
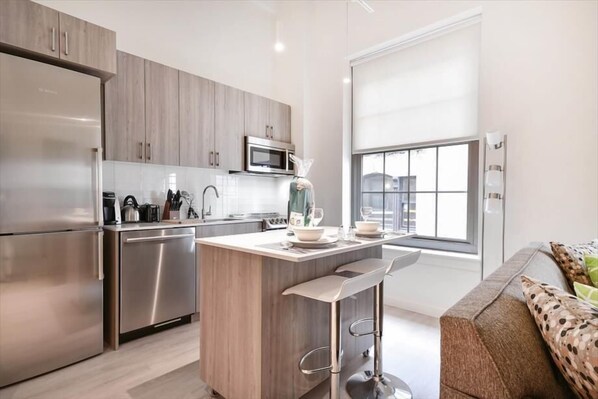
x,y
161,114
29,26
124,110
196,121
256,115
280,121
229,126
86,44
267,118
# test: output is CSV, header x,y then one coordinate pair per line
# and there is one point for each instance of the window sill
x,y
431,257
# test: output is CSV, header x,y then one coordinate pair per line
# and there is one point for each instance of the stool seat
x,y
335,288
367,265
364,266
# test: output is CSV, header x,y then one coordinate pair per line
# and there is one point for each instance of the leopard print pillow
x,y
569,327
570,259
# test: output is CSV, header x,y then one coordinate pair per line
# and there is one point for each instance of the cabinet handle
x,y
53,39
271,132
211,158
217,159
140,150
267,134
148,154
157,238
101,255
100,211
66,43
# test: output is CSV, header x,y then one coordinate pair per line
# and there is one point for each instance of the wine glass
x,y
366,212
317,214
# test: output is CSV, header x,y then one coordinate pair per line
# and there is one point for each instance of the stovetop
x,y
272,220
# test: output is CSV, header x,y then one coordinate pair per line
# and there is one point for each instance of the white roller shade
x,y
423,91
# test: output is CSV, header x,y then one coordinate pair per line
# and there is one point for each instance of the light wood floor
x,y
165,366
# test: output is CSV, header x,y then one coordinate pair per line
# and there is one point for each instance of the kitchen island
x,y
252,336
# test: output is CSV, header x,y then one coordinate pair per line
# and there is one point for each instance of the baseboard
x,y
424,309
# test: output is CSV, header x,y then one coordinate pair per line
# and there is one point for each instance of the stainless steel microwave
x,y
268,156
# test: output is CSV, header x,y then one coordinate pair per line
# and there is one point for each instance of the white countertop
x,y
170,225
254,243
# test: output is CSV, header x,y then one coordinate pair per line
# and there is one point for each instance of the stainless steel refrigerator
x,y
50,218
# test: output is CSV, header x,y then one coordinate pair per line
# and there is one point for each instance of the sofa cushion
x,y
490,346
586,293
569,327
571,260
591,262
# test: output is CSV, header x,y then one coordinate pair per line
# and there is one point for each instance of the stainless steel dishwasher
x,y
157,277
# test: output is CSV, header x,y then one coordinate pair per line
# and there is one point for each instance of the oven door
x,y
265,159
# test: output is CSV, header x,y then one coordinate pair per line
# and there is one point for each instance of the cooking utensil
x,y
130,211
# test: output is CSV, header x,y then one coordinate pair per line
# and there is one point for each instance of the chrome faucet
x,y
203,200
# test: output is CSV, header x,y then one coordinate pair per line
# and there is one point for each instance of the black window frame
x,y
470,244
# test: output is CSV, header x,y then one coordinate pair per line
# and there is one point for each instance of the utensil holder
x,y
175,215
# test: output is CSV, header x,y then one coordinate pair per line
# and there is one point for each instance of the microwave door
x,y
264,159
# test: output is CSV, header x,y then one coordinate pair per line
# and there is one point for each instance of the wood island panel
x,y
252,336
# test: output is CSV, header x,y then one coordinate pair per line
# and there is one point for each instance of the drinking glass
x,y
317,214
366,212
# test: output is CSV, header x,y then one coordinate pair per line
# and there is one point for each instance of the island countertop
x,y
270,244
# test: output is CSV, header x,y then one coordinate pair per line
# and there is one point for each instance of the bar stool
x,y
332,289
376,384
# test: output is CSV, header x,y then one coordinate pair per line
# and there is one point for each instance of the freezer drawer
x,y
50,302
157,276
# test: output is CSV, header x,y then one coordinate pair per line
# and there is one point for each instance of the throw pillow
x,y
591,262
586,293
569,327
570,259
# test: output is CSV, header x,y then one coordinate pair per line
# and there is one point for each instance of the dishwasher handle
x,y
158,238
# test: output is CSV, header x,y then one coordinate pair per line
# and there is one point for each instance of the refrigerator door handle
x,y
101,255
99,208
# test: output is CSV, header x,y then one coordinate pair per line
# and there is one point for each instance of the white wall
x,y
230,42
538,84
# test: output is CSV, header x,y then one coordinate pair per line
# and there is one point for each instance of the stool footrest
x,y
360,321
311,352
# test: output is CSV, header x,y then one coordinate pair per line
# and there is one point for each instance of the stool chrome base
x,y
364,385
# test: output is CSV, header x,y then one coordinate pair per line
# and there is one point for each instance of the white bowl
x,y
367,227
308,233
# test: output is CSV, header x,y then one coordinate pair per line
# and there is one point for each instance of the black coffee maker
x,y
111,208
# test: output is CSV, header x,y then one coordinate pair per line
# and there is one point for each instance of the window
x,y
415,134
431,191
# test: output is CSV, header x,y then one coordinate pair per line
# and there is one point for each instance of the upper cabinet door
x,y
124,110
280,121
229,124
196,120
161,114
86,44
256,116
29,26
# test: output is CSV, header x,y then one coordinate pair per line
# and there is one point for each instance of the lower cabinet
x,y
215,231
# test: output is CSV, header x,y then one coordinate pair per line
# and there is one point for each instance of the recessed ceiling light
x,y
279,46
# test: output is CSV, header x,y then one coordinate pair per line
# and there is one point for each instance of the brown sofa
x,y
490,345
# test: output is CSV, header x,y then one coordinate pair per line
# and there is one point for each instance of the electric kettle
x,y
130,211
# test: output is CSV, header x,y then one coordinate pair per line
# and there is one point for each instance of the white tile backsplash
x,y
239,194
